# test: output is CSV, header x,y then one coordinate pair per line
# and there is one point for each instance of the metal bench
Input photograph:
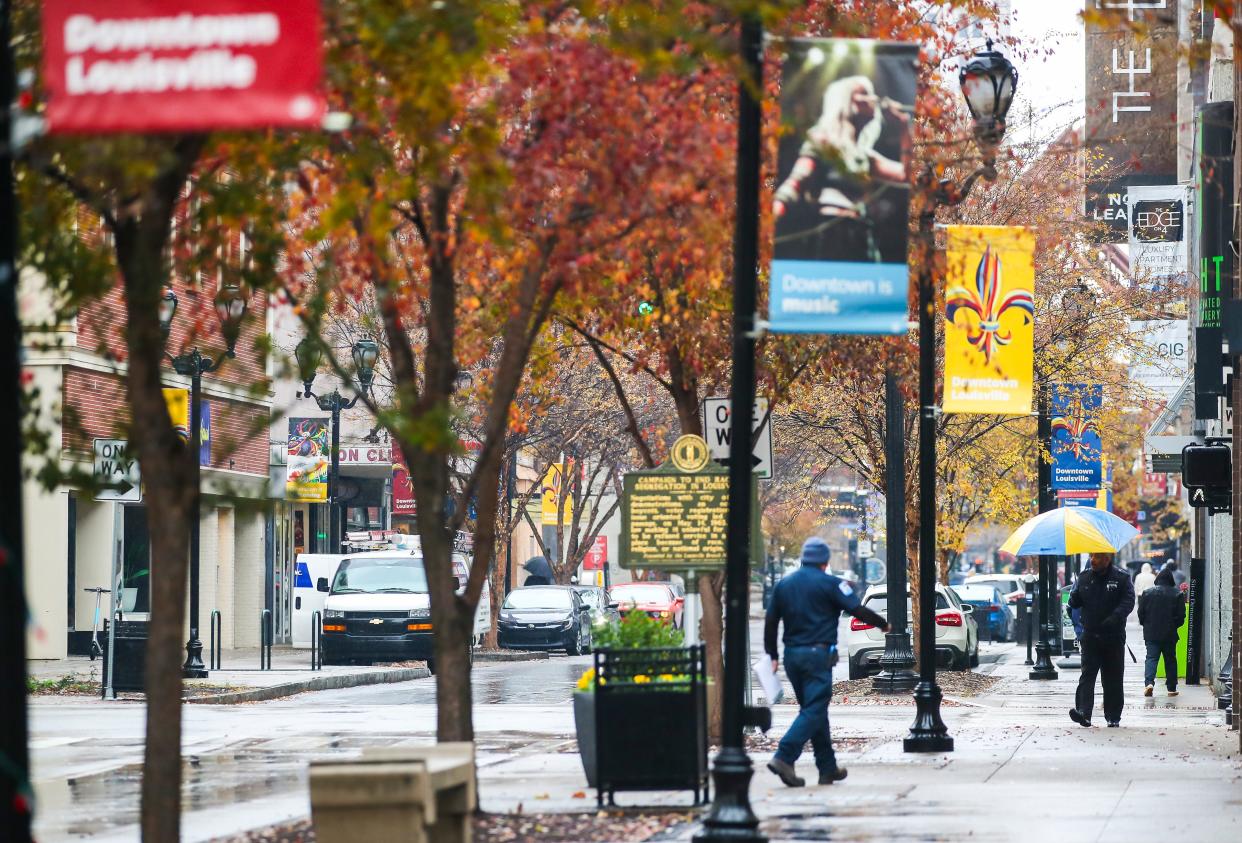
x,y
406,794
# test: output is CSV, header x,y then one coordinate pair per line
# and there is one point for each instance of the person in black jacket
x,y
1161,611
1105,596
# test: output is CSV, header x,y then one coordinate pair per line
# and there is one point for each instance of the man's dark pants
x,y
1105,656
1155,651
810,674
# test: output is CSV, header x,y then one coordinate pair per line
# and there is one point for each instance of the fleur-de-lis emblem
x,y
988,305
1076,425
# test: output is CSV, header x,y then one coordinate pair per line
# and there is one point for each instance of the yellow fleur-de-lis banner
x,y
989,312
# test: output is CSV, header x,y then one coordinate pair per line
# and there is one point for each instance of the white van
x,y
376,607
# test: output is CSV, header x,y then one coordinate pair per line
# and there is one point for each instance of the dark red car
x,y
657,599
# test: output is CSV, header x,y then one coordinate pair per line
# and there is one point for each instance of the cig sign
x,y
188,65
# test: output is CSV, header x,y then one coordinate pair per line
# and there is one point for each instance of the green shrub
x,y
638,630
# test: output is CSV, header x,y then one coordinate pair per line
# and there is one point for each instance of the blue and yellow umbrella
x,y
1069,530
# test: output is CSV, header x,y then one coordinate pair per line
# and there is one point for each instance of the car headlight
x,y
420,613
333,613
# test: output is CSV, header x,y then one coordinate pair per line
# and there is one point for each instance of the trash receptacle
x,y
130,652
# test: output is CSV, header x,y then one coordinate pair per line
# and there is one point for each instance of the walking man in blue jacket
x,y
810,602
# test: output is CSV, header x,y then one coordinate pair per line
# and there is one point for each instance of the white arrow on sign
x,y
117,472
716,426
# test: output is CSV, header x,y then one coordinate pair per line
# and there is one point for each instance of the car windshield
x,y
381,575
976,593
591,597
641,594
879,603
538,598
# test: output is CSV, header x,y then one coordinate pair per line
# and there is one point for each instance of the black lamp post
x,y
309,354
896,674
231,303
731,817
988,82
1045,614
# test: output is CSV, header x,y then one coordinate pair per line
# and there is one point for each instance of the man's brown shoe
x,y
785,772
835,776
1147,692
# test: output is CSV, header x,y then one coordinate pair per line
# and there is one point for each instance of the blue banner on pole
x,y
837,297
1076,447
842,200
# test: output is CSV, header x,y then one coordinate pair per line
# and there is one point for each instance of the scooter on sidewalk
x,y
96,650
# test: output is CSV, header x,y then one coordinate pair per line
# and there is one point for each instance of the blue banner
x,y
834,297
1076,447
842,202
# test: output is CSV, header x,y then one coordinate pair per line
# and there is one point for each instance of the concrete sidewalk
x,y
240,679
1021,770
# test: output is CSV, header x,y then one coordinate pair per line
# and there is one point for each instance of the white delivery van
x,y
376,607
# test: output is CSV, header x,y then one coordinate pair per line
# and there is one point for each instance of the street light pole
x,y
988,82
1044,618
896,665
194,365
231,303
309,354
731,817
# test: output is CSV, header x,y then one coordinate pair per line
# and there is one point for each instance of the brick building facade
x,y
78,370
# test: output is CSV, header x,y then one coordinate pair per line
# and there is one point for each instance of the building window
x,y
136,561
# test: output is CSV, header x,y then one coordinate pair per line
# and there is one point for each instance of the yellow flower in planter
x,y
641,679
586,681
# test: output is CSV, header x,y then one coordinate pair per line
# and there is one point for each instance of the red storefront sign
x,y
597,557
402,491
181,65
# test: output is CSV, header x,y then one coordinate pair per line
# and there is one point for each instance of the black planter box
x,y
650,722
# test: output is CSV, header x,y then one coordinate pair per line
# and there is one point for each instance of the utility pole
x,y
15,794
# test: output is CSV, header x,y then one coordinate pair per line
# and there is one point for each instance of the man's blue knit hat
x,y
815,551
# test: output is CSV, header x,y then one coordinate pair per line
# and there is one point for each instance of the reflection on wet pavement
x,y
534,683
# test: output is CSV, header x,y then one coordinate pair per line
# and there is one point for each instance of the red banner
x,y
184,65
402,491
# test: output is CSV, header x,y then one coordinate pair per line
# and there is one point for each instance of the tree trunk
x,y
141,241
712,632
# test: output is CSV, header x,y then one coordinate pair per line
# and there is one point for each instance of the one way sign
x,y
716,425
116,470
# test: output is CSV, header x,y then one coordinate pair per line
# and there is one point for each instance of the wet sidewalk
x,y
240,678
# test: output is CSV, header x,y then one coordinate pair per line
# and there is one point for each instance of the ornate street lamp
x,y
988,83
231,303
309,355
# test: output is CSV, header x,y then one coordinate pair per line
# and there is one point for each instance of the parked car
x,y
1010,585
657,599
602,611
957,635
993,614
545,617
377,608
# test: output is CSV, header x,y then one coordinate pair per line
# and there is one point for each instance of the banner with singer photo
x,y
989,312
842,200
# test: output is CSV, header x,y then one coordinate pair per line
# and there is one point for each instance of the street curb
x,y
319,683
509,656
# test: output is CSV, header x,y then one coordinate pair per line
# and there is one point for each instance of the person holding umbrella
x,y
1103,595
538,572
